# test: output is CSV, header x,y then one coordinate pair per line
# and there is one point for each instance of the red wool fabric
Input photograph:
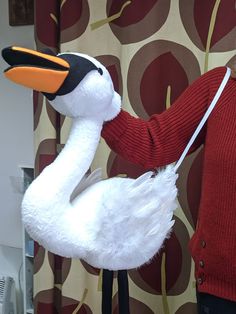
x,y
161,140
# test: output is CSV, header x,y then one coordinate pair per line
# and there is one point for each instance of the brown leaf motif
x,y
52,301
112,63
163,268
205,23
46,154
187,308
139,19
46,23
38,105
135,306
158,73
39,254
74,18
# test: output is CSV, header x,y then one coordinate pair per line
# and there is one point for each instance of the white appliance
x,y
7,295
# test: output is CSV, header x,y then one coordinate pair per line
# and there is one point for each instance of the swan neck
x,y
74,160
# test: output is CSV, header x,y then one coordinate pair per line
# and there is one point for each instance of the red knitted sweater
x,y
162,139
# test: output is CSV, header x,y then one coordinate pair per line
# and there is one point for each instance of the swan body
x,y
117,223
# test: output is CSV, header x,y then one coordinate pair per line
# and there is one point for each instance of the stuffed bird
x,y
117,223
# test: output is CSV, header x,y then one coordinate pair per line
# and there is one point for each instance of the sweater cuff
x,y
112,130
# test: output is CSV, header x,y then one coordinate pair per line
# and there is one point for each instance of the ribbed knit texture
x,y
162,139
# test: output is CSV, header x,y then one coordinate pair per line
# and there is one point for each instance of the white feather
x,y
88,179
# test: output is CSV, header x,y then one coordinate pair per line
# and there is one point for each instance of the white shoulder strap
x,y
205,117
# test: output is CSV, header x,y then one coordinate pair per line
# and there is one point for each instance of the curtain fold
x,y
153,51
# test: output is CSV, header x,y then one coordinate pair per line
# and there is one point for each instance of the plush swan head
x,y
93,94
76,84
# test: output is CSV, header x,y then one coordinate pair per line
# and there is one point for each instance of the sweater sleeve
x,y
162,139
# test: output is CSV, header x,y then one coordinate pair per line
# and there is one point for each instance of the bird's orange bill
x,y
36,70
42,80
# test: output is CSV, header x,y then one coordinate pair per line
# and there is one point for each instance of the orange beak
x,y
39,71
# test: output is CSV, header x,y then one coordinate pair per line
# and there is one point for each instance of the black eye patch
x,y
79,67
100,71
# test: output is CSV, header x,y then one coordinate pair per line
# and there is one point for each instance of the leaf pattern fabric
x,y
153,50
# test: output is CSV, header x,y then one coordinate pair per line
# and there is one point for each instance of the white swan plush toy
x,y
118,223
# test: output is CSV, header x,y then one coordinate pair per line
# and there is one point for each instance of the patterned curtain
x,y
153,49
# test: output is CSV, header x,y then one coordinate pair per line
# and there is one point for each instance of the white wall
x,y
16,132
16,146
11,263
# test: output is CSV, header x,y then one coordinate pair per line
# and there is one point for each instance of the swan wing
x,y
88,180
135,220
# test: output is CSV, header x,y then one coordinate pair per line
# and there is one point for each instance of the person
x,y
160,141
